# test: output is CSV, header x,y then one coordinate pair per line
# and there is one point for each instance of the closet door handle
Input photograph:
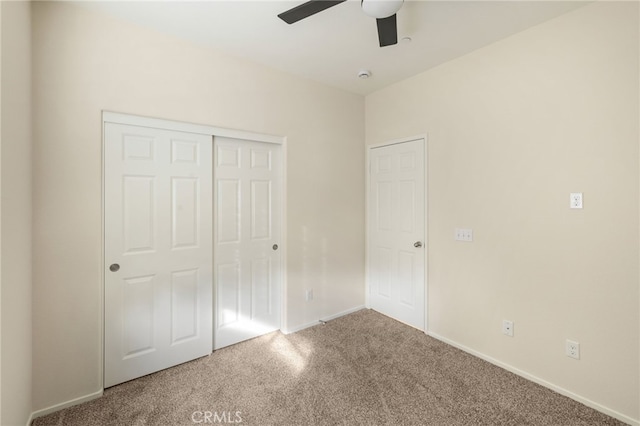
x,y
417,244
114,267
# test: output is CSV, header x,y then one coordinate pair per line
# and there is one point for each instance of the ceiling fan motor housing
x,y
381,8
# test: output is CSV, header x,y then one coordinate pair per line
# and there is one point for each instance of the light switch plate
x,y
462,234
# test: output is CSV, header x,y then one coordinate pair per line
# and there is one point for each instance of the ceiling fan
x,y
383,10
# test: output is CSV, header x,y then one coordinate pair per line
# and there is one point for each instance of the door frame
x,y
368,150
212,131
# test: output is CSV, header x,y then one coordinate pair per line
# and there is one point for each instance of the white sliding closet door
x,y
158,249
247,216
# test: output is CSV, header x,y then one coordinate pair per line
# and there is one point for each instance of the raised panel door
x,y
248,180
396,258
158,249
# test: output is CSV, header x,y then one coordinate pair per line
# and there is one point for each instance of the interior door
x,y
397,231
247,216
158,250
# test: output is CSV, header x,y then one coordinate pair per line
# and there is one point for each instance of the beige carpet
x,y
361,369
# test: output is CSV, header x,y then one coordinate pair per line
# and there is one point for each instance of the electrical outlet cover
x,y
507,328
573,349
575,200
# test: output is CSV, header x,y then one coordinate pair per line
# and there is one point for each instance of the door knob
x,y
114,267
417,244
275,247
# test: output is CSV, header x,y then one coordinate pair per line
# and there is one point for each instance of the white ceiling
x,y
333,45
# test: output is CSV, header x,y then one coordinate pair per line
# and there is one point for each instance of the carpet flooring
x,y
360,369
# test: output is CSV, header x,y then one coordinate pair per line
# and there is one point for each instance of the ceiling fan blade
x,y
387,31
307,9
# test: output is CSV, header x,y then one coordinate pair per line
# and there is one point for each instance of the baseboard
x,y
66,404
327,318
343,313
300,327
542,382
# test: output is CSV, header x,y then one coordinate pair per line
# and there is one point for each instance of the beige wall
x,y
0,211
513,129
85,63
15,213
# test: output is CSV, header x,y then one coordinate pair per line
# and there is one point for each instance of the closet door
x,y
248,181
158,249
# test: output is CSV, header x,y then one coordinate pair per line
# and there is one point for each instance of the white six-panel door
x,y
396,234
247,216
158,250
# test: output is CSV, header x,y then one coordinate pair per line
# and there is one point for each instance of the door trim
x,y
368,149
159,123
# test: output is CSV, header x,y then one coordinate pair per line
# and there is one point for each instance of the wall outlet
x,y
573,349
461,234
507,327
575,200
308,295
